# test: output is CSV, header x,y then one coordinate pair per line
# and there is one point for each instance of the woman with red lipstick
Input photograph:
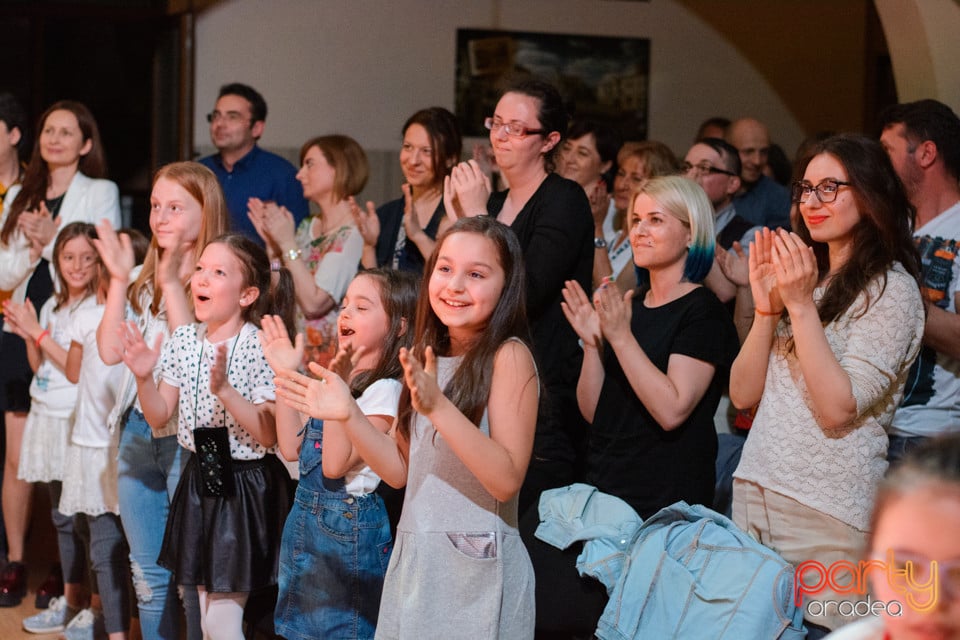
x,y
63,183
838,321
401,233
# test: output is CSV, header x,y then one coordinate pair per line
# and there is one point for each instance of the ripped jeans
x,y
149,470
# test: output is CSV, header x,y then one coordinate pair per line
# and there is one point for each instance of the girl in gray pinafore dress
x,y
459,568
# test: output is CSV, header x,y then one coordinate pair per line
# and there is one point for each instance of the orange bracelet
x,y
767,313
43,334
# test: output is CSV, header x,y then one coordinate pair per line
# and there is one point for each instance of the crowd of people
x,y
361,415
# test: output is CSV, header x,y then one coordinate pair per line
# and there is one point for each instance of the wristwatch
x,y
600,243
293,254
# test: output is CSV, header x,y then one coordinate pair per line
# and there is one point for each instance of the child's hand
x,y
345,361
326,398
168,267
614,311
581,314
138,357
218,372
425,393
22,318
115,251
277,349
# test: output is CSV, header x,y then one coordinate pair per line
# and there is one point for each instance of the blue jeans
x,y
333,555
149,470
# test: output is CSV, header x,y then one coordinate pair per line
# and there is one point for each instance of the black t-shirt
x,y
629,454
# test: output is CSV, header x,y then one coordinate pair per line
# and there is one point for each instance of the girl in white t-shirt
x,y
53,399
336,542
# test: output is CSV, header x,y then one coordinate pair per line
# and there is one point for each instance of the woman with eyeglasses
x,y
551,217
401,233
838,320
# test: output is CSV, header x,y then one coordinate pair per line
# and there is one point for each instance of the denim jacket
x,y
687,572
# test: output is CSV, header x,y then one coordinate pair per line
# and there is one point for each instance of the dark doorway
x,y
125,60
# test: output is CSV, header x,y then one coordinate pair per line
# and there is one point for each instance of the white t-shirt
x,y
97,388
185,362
931,400
51,393
382,398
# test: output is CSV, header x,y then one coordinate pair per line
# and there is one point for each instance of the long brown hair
x,y
68,233
881,237
398,295
36,178
469,388
202,185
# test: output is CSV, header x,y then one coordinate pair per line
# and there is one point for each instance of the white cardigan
x,y
86,200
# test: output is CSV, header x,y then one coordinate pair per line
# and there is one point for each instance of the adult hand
x,y
368,224
411,224
256,212
796,269
466,190
39,225
734,264
580,314
139,357
763,279
421,379
277,349
116,251
613,310
599,199
325,397
279,225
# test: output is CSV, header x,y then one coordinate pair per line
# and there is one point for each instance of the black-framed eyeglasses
x,y
229,116
826,191
705,168
512,129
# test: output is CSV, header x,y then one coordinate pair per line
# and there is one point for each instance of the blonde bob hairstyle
x,y
348,160
686,201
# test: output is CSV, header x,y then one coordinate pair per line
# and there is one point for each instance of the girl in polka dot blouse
x,y
223,532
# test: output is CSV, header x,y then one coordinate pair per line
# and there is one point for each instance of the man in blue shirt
x,y
244,169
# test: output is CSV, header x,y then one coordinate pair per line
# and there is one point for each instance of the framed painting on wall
x,y
602,78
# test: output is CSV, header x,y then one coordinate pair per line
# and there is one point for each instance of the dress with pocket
x,y
459,568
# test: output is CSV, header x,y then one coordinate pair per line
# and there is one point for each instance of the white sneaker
x,y
87,625
52,620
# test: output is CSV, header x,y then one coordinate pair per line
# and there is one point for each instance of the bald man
x,y
761,200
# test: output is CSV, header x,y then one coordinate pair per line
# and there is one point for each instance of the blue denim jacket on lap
x,y
687,572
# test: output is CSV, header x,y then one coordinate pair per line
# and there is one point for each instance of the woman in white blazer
x,y
63,183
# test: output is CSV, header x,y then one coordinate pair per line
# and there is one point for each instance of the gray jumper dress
x,y
459,568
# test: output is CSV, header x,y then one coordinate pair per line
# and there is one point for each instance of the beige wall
x,y
360,67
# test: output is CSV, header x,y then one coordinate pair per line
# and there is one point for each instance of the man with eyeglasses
x,y
244,169
923,141
761,200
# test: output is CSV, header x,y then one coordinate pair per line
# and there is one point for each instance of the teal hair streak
x,y
699,261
